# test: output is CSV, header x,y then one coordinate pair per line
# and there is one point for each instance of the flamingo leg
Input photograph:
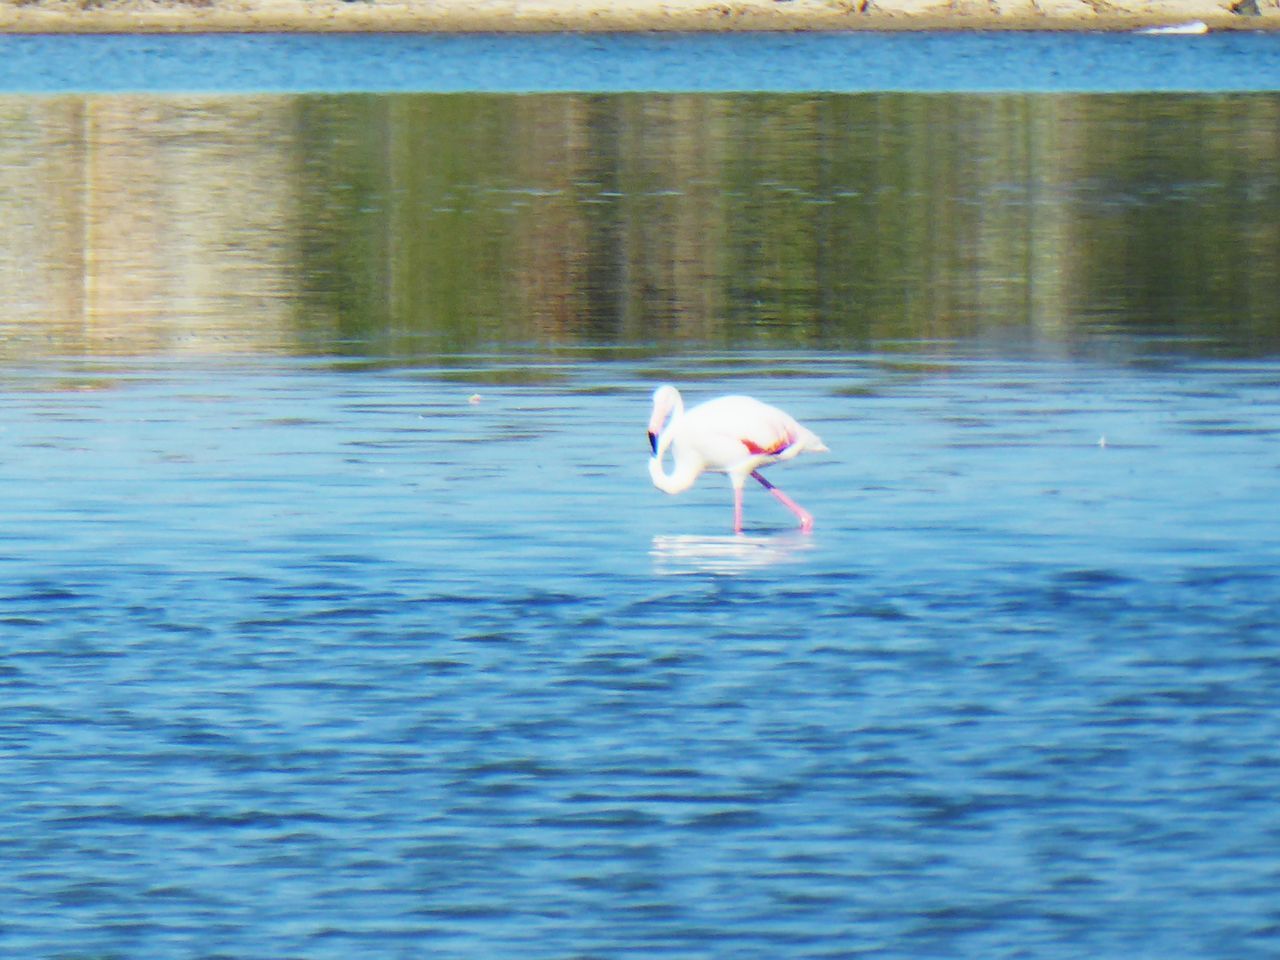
x,y
737,508
805,517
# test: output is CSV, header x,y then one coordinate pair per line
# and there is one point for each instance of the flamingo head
x,y
666,402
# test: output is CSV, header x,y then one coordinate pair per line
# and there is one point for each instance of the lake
x,y
340,615
855,62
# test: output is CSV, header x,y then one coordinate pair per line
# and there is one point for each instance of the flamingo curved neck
x,y
685,471
675,482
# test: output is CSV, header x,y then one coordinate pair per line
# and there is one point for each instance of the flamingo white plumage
x,y
734,435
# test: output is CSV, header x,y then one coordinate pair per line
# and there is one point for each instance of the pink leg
x,y
806,518
737,508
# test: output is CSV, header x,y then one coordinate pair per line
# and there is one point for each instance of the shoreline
x,y
630,16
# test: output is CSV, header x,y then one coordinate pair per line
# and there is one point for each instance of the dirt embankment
x,y
158,16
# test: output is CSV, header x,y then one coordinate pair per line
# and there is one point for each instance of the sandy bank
x,y
158,16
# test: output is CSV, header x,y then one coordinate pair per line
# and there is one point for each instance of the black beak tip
x,y
653,442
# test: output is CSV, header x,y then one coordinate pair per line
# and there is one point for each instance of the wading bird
x,y
733,435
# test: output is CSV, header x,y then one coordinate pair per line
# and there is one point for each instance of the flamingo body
x,y
733,435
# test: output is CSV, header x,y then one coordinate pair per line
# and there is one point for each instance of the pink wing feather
x,y
777,446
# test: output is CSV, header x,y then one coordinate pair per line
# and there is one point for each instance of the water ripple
x,y
1011,697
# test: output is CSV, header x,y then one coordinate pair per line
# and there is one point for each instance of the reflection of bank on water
x,y
399,224
141,223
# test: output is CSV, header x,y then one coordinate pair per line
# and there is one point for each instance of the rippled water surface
x,y
304,659
340,618
855,61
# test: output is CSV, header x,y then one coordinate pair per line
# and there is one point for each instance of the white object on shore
x,y
1188,29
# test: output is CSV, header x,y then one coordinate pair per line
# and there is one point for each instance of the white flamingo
x,y
734,435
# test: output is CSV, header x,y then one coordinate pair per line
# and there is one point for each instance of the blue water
x,y
314,658
848,62
404,657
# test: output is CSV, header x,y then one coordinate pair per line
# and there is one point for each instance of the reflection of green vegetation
x,y
1183,219
443,223
422,226
409,236
343,236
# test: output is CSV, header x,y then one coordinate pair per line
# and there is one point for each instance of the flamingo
x,y
734,435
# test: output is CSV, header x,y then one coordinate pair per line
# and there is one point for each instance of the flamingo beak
x,y
653,442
